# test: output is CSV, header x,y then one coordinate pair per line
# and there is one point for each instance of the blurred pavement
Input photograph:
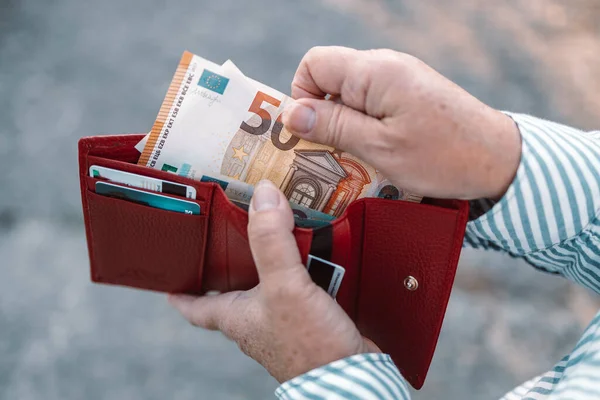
x,y
74,68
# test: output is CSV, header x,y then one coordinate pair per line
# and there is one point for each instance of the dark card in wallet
x,y
400,257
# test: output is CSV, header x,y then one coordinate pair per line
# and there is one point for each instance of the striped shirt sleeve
x,y
549,215
371,376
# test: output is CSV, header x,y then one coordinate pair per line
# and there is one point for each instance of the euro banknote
x,y
215,121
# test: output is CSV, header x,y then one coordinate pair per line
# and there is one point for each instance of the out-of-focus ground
x,y
72,68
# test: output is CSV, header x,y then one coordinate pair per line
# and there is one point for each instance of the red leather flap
x,y
403,240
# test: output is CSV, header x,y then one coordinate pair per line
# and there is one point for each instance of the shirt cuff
x,y
554,196
372,376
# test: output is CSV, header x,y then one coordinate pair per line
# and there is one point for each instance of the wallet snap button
x,y
411,283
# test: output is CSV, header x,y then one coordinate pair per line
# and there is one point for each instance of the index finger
x,y
333,70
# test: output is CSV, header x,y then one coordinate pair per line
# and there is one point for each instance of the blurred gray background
x,y
72,68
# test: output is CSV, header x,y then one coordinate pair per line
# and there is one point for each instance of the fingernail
x,y
266,196
299,118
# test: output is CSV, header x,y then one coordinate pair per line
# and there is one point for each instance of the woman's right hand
x,y
423,132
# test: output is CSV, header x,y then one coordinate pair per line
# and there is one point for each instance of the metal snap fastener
x,y
411,283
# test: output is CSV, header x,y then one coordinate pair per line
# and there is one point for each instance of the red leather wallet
x,y
400,257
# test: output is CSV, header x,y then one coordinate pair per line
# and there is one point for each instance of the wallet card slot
x,y
139,246
91,185
203,190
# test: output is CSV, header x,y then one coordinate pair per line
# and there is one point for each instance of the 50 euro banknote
x,y
215,121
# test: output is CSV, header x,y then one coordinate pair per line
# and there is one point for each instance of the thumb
x,y
331,123
270,227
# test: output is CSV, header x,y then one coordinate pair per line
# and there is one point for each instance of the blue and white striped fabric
x,y
364,376
550,216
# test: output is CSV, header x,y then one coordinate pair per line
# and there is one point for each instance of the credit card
x,y
149,199
325,274
143,182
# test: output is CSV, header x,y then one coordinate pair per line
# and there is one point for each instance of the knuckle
x,y
406,64
385,54
316,50
385,57
319,52
313,53
396,56
395,62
